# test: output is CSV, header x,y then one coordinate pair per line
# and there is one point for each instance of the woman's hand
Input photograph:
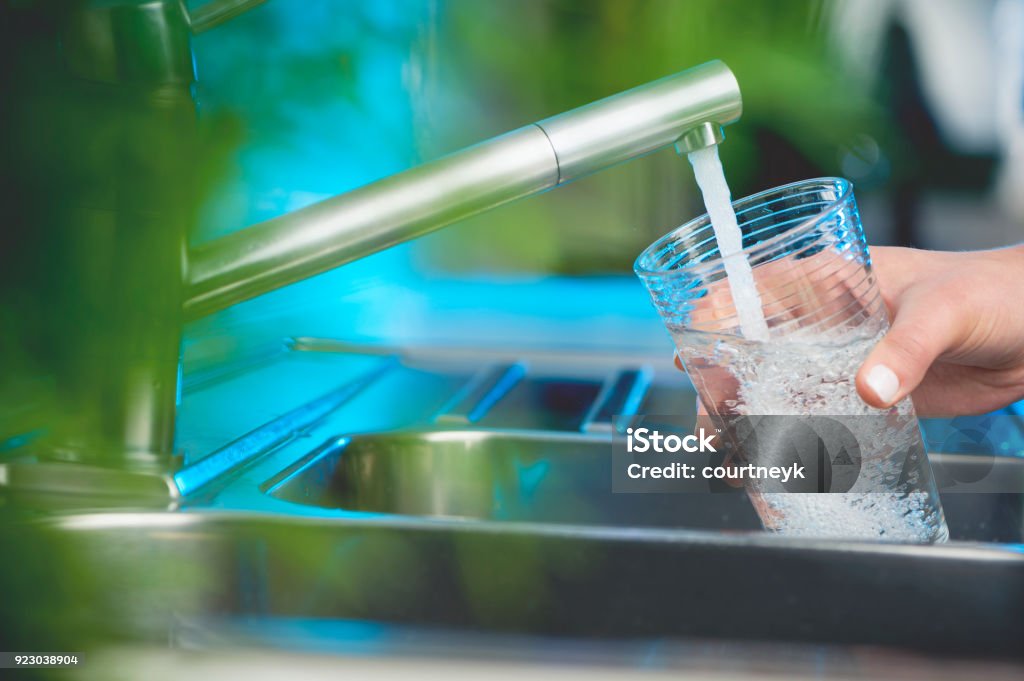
x,y
956,345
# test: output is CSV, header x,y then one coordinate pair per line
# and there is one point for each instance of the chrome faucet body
x,y
688,107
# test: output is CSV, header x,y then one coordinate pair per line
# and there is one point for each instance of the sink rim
x,y
201,520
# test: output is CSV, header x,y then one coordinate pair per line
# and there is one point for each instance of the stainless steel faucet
x,y
688,108
134,58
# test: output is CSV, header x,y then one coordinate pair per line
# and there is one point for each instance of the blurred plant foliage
x,y
515,62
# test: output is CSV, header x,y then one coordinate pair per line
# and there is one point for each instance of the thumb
x,y
923,329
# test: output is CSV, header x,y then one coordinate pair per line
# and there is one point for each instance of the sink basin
x,y
512,476
565,478
510,533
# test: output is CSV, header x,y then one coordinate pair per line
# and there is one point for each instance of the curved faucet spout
x,y
526,161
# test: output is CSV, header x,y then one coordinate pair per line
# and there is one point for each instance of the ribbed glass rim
x,y
649,254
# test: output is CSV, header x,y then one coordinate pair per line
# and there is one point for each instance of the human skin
x,y
956,344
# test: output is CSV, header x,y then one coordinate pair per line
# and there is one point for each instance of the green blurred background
x,y
324,96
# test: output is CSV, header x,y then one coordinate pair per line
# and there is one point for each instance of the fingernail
x,y
884,382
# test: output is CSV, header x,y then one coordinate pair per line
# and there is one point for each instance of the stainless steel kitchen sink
x,y
562,478
147,576
419,493
493,476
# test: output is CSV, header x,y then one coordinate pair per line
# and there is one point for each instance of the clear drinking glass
x,y
824,312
